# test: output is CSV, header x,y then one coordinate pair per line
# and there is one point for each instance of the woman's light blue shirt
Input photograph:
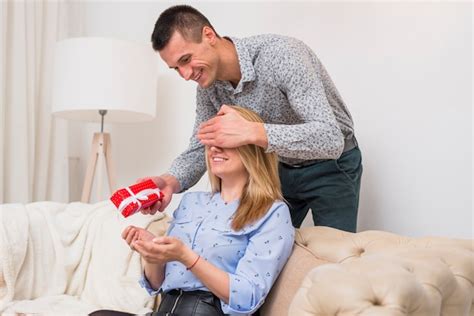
x,y
253,256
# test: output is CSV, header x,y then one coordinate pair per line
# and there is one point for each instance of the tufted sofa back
x,y
332,272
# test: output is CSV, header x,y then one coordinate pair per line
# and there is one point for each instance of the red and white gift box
x,y
132,199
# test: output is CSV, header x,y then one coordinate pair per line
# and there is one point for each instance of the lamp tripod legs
x,y
101,148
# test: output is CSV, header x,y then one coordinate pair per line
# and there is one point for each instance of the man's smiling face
x,y
193,61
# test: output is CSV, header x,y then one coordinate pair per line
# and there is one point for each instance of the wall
x,y
404,69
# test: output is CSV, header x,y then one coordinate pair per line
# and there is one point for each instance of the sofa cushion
x,y
379,273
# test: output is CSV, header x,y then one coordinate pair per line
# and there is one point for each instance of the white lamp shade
x,y
92,74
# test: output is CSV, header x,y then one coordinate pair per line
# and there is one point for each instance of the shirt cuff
x,y
147,286
242,300
181,179
270,139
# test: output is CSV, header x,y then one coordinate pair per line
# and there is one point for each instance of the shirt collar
x,y
246,67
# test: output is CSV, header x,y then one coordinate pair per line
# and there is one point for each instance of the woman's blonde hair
x,y
263,185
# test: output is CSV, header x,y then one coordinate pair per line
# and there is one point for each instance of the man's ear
x,y
209,35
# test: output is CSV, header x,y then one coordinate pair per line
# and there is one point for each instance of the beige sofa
x,y
332,272
374,273
69,259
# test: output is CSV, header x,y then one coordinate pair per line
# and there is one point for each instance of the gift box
x,y
132,199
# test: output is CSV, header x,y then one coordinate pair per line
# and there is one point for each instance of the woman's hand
x,y
164,249
132,234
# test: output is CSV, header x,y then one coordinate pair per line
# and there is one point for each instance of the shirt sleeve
x,y
181,212
143,281
189,167
269,248
299,75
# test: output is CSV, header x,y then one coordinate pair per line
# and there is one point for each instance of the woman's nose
x,y
216,149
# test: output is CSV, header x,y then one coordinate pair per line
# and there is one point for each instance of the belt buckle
x,y
297,166
306,163
349,144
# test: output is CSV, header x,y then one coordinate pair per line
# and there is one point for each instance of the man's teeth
x,y
198,75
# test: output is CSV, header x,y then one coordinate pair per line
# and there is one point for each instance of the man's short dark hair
x,y
188,21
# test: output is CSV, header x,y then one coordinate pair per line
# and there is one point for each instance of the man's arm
x,y
189,167
302,78
299,75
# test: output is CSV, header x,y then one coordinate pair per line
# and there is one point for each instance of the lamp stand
x,y
101,152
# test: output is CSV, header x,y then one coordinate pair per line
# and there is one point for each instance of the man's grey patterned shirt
x,y
286,84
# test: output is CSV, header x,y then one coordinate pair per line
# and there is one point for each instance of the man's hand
x,y
168,185
229,130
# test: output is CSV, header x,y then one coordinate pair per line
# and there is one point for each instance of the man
x,y
306,122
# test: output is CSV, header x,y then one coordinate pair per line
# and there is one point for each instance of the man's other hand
x,y
230,130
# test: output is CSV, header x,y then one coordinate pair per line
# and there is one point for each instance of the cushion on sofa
x,y
379,273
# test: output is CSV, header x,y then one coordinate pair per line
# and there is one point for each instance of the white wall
x,y
472,99
404,69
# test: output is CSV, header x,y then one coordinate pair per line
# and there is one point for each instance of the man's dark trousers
x,y
330,188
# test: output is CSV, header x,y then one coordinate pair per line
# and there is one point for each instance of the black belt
x,y
185,303
349,144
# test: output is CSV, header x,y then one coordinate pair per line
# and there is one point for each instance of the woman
x,y
224,249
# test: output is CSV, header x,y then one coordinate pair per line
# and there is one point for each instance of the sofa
x,y
69,259
332,272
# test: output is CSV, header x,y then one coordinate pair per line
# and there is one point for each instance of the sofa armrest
x,y
301,261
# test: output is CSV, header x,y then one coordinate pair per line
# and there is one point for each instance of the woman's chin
x,y
222,175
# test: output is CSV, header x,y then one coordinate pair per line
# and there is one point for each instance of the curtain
x,y
33,144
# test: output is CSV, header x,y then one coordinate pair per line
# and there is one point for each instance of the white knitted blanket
x,y
68,259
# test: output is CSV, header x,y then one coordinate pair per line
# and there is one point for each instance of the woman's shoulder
x,y
279,203
279,206
277,215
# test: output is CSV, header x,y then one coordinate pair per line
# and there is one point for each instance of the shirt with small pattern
x,y
286,84
253,256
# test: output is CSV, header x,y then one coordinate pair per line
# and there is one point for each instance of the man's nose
x,y
185,72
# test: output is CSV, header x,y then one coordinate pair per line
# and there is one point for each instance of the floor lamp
x,y
97,79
